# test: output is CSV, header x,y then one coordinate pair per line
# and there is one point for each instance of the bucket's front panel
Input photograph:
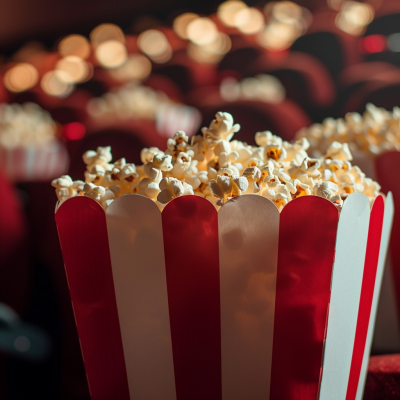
x,y
137,255
190,226
307,236
248,245
351,245
82,229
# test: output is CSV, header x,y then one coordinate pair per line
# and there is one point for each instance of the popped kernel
x,y
217,169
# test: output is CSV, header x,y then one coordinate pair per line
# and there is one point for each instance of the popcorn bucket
x,y
244,303
34,163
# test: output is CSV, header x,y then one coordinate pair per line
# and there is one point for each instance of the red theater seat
x,y
383,379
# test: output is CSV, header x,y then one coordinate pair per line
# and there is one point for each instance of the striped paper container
x,y
35,163
244,303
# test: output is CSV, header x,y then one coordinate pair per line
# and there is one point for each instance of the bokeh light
x,y
74,69
181,23
373,44
20,77
286,21
106,32
354,17
74,45
227,11
202,31
53,85
249,21
212,52
111,54
136,67
155,45
394,42
73,131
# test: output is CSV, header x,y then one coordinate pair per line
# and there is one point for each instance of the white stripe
x,y
351,245
137,256
386,230
248,253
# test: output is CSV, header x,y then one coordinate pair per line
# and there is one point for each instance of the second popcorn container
x,y
244,303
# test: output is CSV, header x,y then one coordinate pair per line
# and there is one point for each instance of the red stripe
x,y
82,229
307,235
367,294
190,228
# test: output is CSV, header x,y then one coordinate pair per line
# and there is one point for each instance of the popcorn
x,y
373,132
66,188
218,170
25,125
171,188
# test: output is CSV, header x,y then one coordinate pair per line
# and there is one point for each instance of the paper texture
x,y
351,244
81,224
248,246
367,293
386,229
137,256
307,236
190,228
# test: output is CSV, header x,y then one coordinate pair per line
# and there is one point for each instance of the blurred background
x,y
78,74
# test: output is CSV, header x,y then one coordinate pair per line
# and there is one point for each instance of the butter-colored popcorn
x,y
171,188
184,166
221,128
146,155
228,186
102,156
160,163
217,169
325,189
26,125
178,144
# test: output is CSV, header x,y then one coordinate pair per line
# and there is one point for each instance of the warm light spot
x,y
373,44
249,21
286,12
227,11
73,131
394,42
202,31
74,45
136,67
335,4
111,54
181,22
75,69
106,32
277,36
53,85
155,45
354,17
211,52
21,77
286,22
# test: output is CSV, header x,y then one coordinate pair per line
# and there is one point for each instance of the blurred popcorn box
x,y
34,163
244,303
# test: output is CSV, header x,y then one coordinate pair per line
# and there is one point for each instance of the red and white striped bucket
x,y
244,303
34,163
